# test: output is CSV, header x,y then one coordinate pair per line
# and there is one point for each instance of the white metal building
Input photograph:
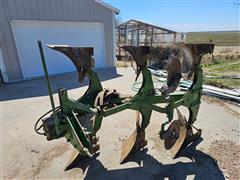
x,y
74,22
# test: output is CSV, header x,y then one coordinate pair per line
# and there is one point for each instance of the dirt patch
x,y
13,174
226,152
35,167
48,157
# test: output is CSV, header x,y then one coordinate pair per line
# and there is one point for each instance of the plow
x,y
79,120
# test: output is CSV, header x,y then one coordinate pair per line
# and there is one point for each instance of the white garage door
x,y
27,33
2,68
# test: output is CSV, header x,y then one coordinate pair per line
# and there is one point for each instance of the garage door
x,y
27,33
2,68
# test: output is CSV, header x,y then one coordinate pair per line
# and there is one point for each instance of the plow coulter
x,y
78,120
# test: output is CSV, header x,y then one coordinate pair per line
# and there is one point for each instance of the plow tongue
x,y
176,135
134,142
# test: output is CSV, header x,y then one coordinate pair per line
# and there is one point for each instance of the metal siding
x,y
2,67
9,51
55,10
2,16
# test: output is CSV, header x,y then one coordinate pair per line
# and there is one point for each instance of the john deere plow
x,y
78,120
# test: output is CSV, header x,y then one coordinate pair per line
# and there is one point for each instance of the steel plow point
x,y
134,142
128,146
72,159
177,133
75,158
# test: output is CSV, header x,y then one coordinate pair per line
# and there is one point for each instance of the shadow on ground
x,y
202,166
38,87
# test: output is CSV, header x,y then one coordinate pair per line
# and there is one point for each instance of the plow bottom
x,y
134,142
176,137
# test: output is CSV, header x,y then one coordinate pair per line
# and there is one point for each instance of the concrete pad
x,y
26,155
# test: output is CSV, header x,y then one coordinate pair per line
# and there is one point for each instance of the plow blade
x,y
134,142
128,146
177,133
80,161
74,159
80,56
174,76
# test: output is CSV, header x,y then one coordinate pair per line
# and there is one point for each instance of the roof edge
x,y
140,21
117,11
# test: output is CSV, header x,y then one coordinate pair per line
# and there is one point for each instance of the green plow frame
x,y
79,120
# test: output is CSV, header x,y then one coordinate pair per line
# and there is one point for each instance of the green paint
x,y
145,101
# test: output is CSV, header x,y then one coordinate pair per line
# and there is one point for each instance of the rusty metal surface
x,y
185,64
80,56
176,135
135,141
192,53
139,54
174,74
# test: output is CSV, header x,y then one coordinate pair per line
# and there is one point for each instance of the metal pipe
x,y
47,78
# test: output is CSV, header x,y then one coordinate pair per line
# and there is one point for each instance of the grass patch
x,y
218,38
222,67
222,83
228,67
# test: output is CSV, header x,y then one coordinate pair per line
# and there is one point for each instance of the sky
x,y
182,15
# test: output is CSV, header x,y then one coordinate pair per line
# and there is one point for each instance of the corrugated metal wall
x,y
50,10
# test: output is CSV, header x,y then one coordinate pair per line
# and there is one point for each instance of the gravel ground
x,y
226,153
